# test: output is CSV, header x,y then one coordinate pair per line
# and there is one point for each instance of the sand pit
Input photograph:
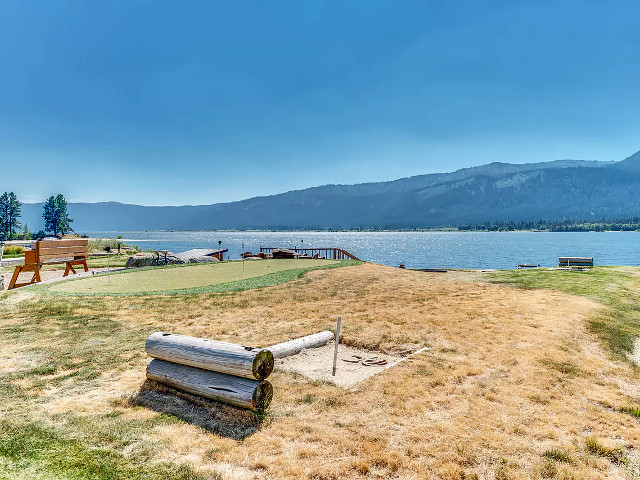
x,y
317,363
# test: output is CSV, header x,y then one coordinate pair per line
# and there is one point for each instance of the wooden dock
x,y
332,253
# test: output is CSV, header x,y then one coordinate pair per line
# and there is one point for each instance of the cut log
x,y
242,392
223,357
295,346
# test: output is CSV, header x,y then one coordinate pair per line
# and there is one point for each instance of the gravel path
x,y
635,356
47,276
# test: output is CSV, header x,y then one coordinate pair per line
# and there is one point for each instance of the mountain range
x,y
556,190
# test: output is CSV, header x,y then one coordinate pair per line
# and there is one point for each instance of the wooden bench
x,y
50,252
575,261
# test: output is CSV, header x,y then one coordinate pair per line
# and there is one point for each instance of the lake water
x,y
481,250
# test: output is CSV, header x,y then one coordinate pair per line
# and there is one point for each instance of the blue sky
x,y
171,103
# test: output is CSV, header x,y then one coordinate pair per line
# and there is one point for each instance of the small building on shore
x,y
202,252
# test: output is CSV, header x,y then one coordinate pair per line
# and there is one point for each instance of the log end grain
x,y
262,396
263,364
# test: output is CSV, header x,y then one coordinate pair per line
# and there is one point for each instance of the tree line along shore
x,y
56,222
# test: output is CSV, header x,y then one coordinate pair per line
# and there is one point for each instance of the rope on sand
x,y
367,362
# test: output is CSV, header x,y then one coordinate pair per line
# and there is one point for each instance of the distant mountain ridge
x,y
561,189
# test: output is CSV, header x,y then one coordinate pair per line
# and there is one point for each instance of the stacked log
x,y
221,371
222,357
239,391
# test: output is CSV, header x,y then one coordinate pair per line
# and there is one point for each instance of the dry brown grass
x,y
511,374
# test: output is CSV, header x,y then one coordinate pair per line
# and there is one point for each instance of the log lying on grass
x,y
292,347
223,357
242,392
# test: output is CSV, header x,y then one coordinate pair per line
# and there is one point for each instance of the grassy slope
x,y
617,288
36,452
68,446
46,451
192,279
496,396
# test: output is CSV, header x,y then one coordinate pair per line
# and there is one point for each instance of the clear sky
x,y
171,103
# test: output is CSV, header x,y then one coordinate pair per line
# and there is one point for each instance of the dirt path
x,y
635,356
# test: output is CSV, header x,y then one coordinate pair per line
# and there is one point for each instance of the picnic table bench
x,y
575,261
50,252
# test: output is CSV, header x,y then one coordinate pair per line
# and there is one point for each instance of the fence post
x,y
335,353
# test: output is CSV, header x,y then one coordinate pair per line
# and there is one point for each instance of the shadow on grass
x,y
216,417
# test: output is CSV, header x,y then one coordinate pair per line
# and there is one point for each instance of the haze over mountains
x,y
563,189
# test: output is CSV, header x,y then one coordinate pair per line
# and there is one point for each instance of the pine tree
x,y
26,233
10,211
63,216
56,218
49,216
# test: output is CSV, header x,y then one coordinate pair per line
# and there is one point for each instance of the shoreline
x,y
425,230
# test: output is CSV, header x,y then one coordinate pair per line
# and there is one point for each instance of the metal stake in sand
x,y
108,249
335,353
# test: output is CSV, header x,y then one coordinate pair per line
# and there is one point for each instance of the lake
x,y
482,250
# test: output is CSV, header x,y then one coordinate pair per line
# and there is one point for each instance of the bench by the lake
x,y
49,252
575,262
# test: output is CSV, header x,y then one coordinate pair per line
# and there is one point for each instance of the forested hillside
x,y
558,190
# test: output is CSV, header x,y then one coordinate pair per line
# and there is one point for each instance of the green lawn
x,y
617,288
200,278
110,261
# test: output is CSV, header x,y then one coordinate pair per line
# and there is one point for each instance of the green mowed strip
x,y
617,288
189,278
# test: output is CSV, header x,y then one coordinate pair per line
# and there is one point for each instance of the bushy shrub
x,y
13,250
110,245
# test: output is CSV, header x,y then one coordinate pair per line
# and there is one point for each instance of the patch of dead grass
x,y
511,374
